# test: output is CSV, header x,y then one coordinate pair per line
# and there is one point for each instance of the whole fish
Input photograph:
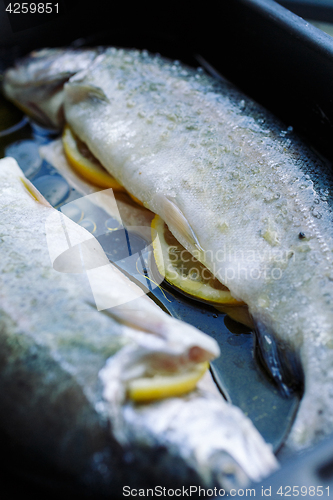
x,y
238,189
65,366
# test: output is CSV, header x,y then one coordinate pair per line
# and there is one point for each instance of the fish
x,y
239,190
74,333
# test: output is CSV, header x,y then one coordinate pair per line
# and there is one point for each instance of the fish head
x,y
35,83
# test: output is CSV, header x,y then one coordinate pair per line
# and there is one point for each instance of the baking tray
x,y
270,53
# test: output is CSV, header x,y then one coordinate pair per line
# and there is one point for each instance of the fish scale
x,y
253,154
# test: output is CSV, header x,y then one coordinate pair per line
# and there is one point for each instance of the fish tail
x,y
281,361
314,419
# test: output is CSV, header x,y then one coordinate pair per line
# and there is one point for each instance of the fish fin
x,y
281,360
174,217
77,91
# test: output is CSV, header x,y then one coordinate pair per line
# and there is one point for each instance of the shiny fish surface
x,y
239,191
64,365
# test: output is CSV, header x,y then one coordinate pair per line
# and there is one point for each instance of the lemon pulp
x,y
85,164
181,269
165,386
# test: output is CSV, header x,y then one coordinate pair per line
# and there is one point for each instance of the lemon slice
x,y
181,269
165,386
85,164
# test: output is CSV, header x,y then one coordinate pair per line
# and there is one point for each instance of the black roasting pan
x,y
270,52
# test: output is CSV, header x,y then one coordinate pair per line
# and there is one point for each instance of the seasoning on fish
x,y
66,367
236,188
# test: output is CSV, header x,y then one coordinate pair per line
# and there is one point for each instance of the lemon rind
x,y
197,290
92,172
164,386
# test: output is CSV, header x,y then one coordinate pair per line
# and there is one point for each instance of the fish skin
x,y
35,83
239,190
128,213
59,357
265,185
